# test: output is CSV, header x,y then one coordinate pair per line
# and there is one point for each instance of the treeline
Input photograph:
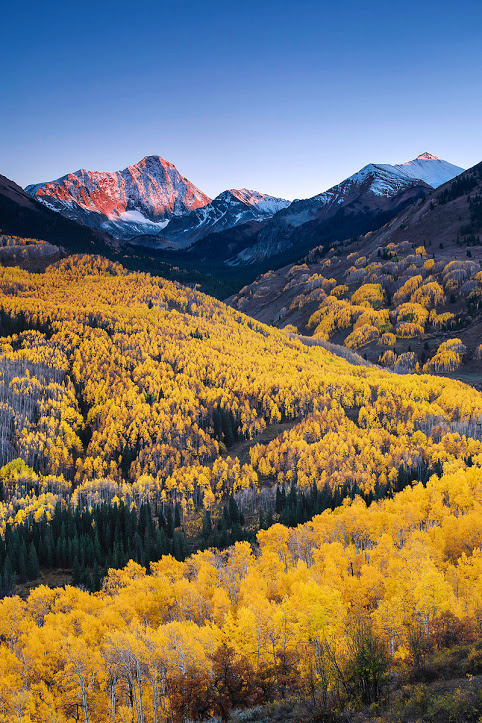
x,y
89,542
459,187
295,506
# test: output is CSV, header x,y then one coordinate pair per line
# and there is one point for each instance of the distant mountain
x,y
24,216
358,204
230,208
139,199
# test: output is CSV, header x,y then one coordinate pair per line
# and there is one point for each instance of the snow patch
x,y
138,218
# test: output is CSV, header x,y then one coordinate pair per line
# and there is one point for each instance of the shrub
x,y
474,661
448,630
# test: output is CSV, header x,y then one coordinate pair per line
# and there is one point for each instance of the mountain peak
x,y
154,162
428,168
139,199
427,157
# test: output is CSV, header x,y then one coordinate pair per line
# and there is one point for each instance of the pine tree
x,y
169,522
177,515
76,572
33,570
177,546
22,561
207,526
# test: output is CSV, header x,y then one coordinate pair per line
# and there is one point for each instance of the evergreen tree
x,y
33,570
21,564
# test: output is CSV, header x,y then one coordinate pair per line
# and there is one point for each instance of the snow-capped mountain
x,y
137,200
428,168
152,204
372,195
230,208
376,179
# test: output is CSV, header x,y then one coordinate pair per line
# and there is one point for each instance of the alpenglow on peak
x,y
427,157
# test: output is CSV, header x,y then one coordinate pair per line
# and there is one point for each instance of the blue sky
x,y
283,97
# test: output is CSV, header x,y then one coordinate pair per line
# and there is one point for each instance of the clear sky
x,y
284,97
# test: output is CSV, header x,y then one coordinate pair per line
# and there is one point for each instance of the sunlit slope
x,y
130,377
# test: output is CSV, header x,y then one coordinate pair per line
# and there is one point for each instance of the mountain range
x,y
360,203
231,208
355,230
150,204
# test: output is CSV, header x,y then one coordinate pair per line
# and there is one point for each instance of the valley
x,y
275,487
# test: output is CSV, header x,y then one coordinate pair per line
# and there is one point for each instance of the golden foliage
x,y
369,293
448,357
410,319
387,339
117,653
126,378
361,335
388,357
429,295
405,292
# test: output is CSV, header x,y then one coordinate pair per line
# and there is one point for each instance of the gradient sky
x,y
287,98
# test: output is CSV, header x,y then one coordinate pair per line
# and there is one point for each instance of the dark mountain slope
x,y
251,248
22,215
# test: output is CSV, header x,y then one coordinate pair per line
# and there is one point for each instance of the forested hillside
x,y
325,612
140,418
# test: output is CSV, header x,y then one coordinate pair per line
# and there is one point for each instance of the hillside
x,y
424,265
363,202
237,255
125,400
